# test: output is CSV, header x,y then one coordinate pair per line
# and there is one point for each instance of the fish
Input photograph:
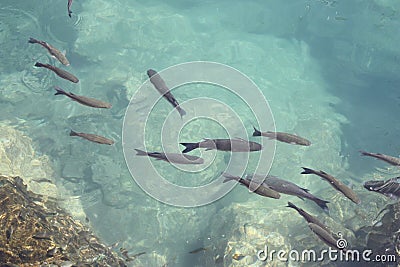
x,y
308,217
389,159
335,183
61,73
42,180
234,145
389,188
289,188
162,88
326,237
43,235
69,7
93,138
90,102
283,137
171,157
262,190
238,256
53,51
198,250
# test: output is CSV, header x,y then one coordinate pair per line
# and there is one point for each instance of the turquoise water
x,y
329,70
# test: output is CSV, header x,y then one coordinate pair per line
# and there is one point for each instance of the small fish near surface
x,y
93,138
53,51
262,189
389,159
162,88
327,237
90,102
307,216
177,158
234,145
283,137
389,188
289,188
335,183
60,72
69,7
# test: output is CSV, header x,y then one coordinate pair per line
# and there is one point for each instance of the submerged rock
x,y
38,231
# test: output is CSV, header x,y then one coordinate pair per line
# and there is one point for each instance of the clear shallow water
x,y
329,70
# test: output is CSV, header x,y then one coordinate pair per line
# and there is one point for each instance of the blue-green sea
x,y
325,70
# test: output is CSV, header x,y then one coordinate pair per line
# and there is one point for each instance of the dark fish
x,y
42,235
43,180
234,145
162,88
335,183
326,237
93,137
197,250
172,157
391,160
262,190
308,217
69,7
61,73
90,102
289,188
283,137
389,188
53,51
237,256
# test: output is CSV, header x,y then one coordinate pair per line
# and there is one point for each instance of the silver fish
x,y
53,51
172,157
389,188
308,217
90,102
262,190
283,137
335,183
61,73
234,145
93,138
289,188
325,236
162,88
389,159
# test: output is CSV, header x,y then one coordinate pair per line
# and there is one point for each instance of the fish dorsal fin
x,y
304,189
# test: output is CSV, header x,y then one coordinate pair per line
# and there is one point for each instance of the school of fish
x,y
264,185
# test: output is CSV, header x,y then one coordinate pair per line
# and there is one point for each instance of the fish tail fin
x,y
256,132
307,171
72,133
32,40
291,205
322,203
38,64
189,146
140,152
181,111
229,177
59,91
69,13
